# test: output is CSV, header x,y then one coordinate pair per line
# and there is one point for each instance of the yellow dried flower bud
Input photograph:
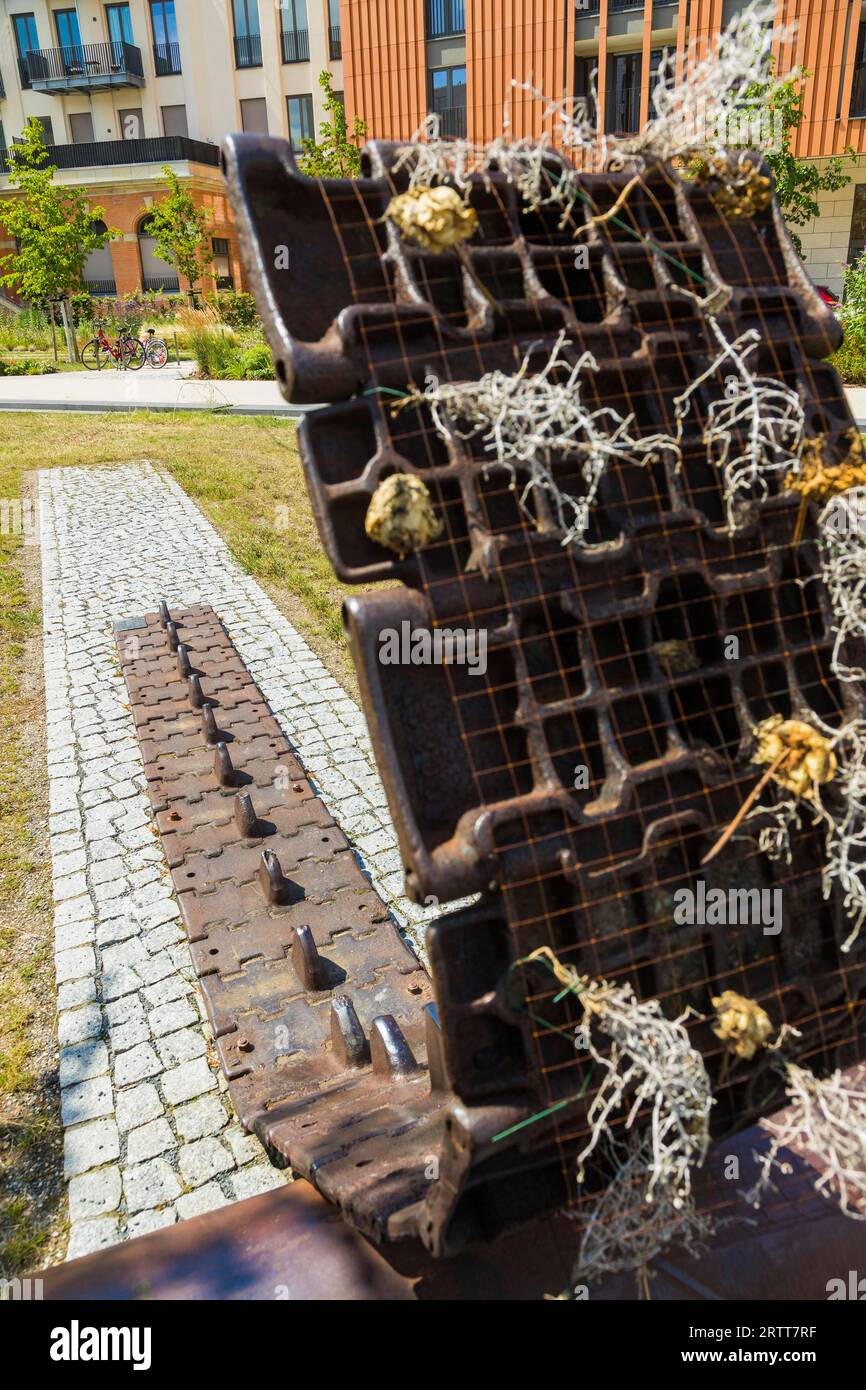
x,y
437,218
741,1024
401,515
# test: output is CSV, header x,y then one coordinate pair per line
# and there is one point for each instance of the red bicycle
x,y
127,353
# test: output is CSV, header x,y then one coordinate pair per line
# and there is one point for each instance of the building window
x,y
858,89
166,48
222,266
254,116
26,41
131,124
47,128
448,99
335,36
81,128
69,38
156,274
295,36
119,24
623,93
857,242
248,41
174,121
98,273
445,17
583,70
300,121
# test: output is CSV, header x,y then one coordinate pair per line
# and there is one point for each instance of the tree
x,y
336,154
181,230
55,227
799,181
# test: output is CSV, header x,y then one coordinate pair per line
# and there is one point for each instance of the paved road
x,y
170,389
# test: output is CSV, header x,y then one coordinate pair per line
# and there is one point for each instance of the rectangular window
x,y
445,17
174,120
254,115
295,35
335,36
858,89
300,121
857,241
26,41
623,93
47,129
68,33
448,99
81,128
131,124
166,47
222,266
248,42
119,20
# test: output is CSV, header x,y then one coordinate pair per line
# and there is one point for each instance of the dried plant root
x,y
826,1119
648,1060
842,549
625,1229
530,420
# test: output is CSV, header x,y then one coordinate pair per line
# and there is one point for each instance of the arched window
x,y
156,274
98,274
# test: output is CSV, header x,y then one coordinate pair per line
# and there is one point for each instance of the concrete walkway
x,y
166,390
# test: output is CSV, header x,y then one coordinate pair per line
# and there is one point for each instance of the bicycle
x,y
155,350
127,353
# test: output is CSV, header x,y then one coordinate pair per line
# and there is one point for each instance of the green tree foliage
x,y
799,181
336,154
54,226
181,230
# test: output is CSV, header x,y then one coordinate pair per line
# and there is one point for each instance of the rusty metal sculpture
x,y
608,657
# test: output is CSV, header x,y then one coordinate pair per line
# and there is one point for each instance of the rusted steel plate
x,y
316,1003
480,768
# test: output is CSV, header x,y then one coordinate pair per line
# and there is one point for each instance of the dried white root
x,y
647,1060
526,422
826,1121
842,550
625,1229
762,412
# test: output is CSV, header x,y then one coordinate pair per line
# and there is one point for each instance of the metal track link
x,y
315,1001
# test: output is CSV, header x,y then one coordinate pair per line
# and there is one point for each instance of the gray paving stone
x,y
94,1194
137,1106
187,1081
150,1184
201,1117
87,1237
89,1100
207,1198
89,1146
136,1065
149,1141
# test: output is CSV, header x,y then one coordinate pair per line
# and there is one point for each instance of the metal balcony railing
x,y
100,288
156,284
166,59
592,6
83,66
335,43
163,149
248,51
296,45
445,17
452,120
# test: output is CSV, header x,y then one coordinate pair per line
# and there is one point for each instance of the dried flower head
x,y
805,758
676,656
436,218
741,1024
401,515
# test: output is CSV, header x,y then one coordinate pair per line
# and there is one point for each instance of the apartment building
x,y
459,56
123,89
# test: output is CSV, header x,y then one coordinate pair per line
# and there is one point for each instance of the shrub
x,y
237,310
256,363
14,368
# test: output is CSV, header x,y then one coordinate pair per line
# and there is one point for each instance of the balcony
x,y
295,45
452,120
248,51
101,289
335,43
85,67
160,284
164,149
445,17
591,7
166,59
